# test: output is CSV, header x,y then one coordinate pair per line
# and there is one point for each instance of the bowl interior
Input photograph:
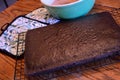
x,y
49,2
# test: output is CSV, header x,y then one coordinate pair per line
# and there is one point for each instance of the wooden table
x,y
7,64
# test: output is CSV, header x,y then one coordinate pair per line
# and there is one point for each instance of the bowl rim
x,y
63,5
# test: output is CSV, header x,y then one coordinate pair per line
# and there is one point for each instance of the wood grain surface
x,y
21,7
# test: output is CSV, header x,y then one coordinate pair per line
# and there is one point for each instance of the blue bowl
x,y
69,11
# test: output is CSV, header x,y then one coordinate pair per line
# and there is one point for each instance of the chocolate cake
x,y
71,42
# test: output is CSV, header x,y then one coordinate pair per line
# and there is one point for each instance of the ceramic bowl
x,y
68,11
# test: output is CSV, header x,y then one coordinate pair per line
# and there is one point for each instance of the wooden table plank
x,y
110,3
7,67
21,7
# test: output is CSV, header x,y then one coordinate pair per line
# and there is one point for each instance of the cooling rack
x,y
96,63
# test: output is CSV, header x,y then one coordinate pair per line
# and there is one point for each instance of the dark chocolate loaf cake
x,y
71,42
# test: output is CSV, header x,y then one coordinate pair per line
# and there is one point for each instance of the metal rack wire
x,y
96,63
19,67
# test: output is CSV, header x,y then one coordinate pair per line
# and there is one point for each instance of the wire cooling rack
x,y
19,67
96,63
